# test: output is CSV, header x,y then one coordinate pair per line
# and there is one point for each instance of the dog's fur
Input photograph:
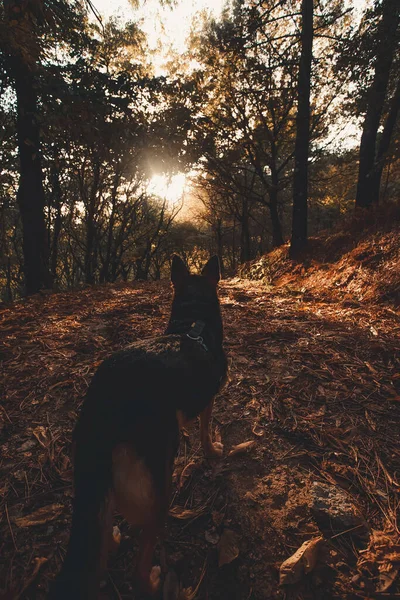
x,y
128,432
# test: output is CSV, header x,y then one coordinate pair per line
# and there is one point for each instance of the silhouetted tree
x,y
300,179
371,161
21,48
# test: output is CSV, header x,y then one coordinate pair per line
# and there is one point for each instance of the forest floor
x,y
314,387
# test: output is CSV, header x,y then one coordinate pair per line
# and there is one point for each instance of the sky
x,y
175,21
170,24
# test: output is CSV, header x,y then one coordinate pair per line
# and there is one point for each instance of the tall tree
x,y
300,181
22,51
369,173
384,143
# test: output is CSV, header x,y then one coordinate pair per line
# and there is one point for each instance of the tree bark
x,y
366,191
56,202
105,272
233,245
218,235
245,249
30,195
89,249
143,264
277,235
300,181
90,218
21,54
384,144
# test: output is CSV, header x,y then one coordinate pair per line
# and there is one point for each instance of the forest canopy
x,y
277,120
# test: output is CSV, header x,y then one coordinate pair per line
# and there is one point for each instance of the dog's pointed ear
x,y
179,271
211,270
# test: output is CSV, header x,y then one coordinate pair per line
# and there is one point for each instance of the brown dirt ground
x,y
314,383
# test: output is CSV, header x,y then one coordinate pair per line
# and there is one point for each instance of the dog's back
x,y
128,431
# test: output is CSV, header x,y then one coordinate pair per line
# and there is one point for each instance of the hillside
x,y
355,264
314,386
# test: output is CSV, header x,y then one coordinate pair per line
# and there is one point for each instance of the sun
x,y
168,187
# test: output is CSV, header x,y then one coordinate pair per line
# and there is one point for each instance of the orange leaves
x,y
41,516
178,512
242,448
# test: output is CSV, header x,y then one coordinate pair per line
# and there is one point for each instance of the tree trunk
x,y
143,264
245,250
55,177
21,51
54,243
218,235
89,249
30,195
90,244
384,144
277,235
366,192
105,273
9,294
300,180
385,188
141,274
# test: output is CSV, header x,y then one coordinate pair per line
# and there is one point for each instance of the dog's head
x,y
195,296
181,277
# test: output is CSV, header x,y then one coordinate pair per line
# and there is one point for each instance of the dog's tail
x,y
91,519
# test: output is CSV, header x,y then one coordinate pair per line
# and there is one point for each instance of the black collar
x,y
195,333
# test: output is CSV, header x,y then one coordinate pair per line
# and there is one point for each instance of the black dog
x,y
128,431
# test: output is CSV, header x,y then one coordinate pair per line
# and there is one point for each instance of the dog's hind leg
x,y
141,493
211,450
148,576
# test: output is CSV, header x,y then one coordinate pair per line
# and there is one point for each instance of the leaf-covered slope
x,y
348,265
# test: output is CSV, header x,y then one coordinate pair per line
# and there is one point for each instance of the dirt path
x,y
314,386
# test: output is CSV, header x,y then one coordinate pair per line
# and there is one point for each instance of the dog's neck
x,y
183,317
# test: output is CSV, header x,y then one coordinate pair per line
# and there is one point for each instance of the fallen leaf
x,y
41,434
186,473
228,548
301,562
370,368
190,593
41,516
217,435
39,561
116,538
59,383
212,536
258,430
178,512
386,579
28,445
242,448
